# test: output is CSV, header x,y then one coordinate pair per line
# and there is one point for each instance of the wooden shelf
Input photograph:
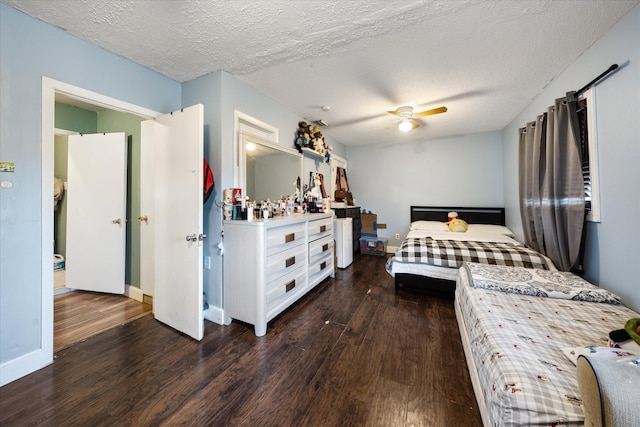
x,y
312,152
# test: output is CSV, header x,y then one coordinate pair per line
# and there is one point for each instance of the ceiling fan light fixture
x,y
405,125
408,117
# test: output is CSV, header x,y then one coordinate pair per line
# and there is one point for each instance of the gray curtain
x,y
551,185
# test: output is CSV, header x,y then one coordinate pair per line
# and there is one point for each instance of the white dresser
x,y
270,264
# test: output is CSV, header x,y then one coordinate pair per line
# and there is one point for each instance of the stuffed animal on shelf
x,y
310,136
327,154
317,141
303,136
317,146
455,223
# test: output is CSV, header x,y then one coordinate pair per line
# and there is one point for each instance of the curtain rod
x,y
592,82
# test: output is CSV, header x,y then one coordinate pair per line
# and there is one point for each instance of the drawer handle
x,y
290,237
323,228
291,285
290,261
323,265
325,247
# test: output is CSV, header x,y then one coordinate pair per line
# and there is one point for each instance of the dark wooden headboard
x,y
470,215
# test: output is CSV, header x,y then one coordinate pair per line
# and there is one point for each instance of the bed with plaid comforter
x,y
518,339
452,253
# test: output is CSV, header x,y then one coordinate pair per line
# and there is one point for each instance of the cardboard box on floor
x,y
369,224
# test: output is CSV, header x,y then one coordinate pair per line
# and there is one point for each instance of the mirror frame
x,y
243,139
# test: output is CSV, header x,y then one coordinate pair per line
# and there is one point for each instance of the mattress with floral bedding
x,y
520,326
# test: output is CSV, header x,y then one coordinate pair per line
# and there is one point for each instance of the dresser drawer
x,y
320,228
321,268
283,288
319,248
281,238
282,262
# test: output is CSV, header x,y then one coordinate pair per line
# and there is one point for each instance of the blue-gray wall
x,y
29,50
222,94
387,179
612,246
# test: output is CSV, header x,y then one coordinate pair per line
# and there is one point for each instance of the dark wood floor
x,y
351,353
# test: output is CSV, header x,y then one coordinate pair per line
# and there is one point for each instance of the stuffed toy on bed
x,y
455,223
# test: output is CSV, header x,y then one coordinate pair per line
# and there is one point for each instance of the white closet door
x,y
148,131
176,221
96,212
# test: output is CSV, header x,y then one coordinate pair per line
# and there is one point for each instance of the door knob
x,y
143,218
117,221
192,238
202,236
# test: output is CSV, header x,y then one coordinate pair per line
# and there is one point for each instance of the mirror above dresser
x,y
267,170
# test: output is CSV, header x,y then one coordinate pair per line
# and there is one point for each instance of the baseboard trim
x,y
134,293
129,291
23,365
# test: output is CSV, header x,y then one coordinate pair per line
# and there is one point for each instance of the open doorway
x,y
113,111
171,180
112,161
80,314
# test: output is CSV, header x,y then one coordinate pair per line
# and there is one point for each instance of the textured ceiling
x,y
484,60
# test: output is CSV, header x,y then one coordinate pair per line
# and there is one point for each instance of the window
x,y
589,152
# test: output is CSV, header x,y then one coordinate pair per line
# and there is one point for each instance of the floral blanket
x,y
539,283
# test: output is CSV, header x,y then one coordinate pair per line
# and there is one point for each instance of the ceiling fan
x,y
408,117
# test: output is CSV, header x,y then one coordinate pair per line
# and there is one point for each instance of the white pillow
x,y
490,228
429,226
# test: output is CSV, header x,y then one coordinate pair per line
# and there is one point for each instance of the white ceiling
x,y
484,60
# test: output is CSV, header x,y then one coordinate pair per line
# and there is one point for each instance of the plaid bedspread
x,y
452,253
517,344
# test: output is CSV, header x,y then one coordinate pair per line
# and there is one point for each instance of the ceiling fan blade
x,y
414,124
395,113
432,111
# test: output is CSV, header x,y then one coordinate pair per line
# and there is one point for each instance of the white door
x,y
148,130
175,217
96,212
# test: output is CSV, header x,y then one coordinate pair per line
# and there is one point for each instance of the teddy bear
x,y
318,146
310,136
316,141
303,136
